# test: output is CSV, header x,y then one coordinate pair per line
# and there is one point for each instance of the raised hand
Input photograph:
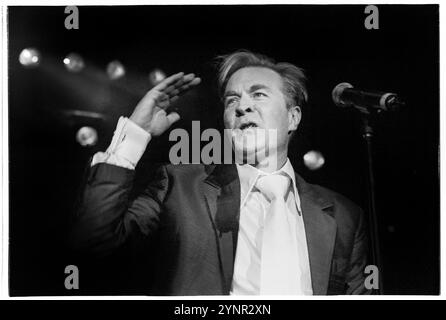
x,y
150,113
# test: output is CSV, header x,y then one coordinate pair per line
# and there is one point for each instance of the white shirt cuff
x,y
127,147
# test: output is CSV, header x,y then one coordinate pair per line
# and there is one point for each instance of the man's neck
x,y
272,163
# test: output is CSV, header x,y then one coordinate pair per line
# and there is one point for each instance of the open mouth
x,y
248,125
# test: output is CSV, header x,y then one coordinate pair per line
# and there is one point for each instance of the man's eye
x,y
230,101
259,94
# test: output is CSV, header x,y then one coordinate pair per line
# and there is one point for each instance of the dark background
x,y
329,42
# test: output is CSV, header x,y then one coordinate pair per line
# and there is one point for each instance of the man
x,y
242,229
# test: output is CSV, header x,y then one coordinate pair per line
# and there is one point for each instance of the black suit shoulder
x,y
346,213
185,170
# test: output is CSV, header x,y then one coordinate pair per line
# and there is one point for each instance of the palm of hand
x,y
150,113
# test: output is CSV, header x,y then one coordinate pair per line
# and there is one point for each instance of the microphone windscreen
x,y
337,92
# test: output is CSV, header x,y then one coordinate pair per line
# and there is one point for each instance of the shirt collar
x,y
248,177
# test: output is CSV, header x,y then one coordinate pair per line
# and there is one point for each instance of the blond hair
x,y
293,77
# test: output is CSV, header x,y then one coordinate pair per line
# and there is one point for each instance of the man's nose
x,y
245,105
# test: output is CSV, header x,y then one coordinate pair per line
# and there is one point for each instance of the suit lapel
x,y
222,194
320,230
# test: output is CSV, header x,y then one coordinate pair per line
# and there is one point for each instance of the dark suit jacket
x,y
191,214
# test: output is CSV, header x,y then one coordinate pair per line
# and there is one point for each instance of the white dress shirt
x,y
127,147
246,278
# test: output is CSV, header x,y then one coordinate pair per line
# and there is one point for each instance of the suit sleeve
x,y
107,216
358,262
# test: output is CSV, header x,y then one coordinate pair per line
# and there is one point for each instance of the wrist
x,y
135,120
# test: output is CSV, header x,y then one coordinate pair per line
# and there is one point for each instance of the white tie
x,y
280,266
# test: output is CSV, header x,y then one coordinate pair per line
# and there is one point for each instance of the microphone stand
x,y
367,134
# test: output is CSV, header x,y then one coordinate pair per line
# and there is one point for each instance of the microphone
x,y
344,95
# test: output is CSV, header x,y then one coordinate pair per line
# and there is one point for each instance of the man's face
x,y
254,101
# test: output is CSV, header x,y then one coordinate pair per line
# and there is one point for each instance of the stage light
x,y
30,57
74,62
115,70
314,160
156,76
87,136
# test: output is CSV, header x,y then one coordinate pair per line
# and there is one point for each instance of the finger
x,y
173,117
184,87
185,79
172,88
193,82
180,82
173,93
169,81
189,77
174,98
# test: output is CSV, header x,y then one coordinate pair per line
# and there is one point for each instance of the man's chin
x,y
250,154
249,139
252,145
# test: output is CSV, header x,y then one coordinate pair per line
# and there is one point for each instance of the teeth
x,y
250,125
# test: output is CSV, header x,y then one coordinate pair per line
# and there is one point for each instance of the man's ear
x,y
294,117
